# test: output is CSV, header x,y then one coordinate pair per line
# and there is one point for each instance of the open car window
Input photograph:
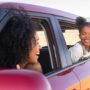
x,y
47,55
70,32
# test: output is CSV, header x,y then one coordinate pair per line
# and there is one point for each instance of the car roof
x,y
36,8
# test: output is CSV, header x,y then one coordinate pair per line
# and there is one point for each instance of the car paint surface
x,y
83,73
72,78
33,8
65,82
23,80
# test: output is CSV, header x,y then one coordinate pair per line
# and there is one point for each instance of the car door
x,y
81,68
63,78
59,75
83,73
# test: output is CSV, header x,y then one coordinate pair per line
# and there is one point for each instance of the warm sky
x,y
78,7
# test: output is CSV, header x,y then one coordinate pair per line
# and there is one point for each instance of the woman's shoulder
x,y
76,52
77,47
78,44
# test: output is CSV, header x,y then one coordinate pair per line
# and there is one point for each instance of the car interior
x,y
69,30
44,57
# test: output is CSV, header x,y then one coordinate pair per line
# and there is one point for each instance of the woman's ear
x,y
18,67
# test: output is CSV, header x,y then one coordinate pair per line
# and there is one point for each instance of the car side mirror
x,y
23,80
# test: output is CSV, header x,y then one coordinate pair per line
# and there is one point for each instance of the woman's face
x,y
35,51
85,36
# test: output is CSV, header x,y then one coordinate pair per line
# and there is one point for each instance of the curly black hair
x,y
81,23
16,40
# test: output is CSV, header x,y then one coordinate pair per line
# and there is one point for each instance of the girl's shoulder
x,y
77,46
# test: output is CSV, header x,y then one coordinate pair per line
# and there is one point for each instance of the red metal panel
x,y
23,80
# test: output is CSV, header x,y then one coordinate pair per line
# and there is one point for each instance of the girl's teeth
x,y
87,40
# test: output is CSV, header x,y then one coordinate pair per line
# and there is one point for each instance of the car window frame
x,y
64,59
54,36
65,46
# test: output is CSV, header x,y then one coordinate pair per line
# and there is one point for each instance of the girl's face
x,y
85,36
35,51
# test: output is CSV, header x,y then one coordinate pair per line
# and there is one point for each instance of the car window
x,y
47,57
70,32
69,37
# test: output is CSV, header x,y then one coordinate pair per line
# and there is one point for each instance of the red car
x,y
58,33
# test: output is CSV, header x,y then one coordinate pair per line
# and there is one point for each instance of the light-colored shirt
x,y
78,51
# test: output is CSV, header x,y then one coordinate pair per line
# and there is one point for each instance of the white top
x,y
78,51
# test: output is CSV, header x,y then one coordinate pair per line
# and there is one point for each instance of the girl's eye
x,y
83,33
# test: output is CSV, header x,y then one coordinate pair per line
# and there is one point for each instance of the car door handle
x,y
65,72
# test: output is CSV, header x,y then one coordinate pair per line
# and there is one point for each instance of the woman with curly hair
x,y
19,43
81,49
